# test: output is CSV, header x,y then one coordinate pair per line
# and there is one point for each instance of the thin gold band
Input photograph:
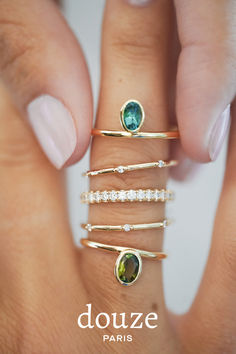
x,y
140,166
127,227
145,135
131,195
151,255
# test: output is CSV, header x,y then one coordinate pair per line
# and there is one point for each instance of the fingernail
x,y
54,128
138,2
218,134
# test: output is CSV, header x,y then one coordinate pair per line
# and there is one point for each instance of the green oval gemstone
x,y
132,116
128,268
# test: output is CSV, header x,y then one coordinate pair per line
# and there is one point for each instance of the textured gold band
x,y
128,168
145,135
151,255
127,227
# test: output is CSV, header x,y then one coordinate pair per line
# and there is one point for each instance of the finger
x,y
135,54
37,255
212,316
206,74
44,69
186,169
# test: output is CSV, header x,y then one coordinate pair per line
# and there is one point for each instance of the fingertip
x,y
56,131
203,135
186,169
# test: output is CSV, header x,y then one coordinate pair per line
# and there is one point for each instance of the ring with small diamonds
x,y
131,195
121,169
127,227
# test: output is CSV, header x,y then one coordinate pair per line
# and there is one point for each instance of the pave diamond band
x,y
141,166
127,227
131,195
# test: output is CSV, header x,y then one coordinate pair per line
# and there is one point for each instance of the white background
x,y
187,241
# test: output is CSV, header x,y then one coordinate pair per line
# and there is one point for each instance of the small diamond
x,y
131,195
120,169
122,196
89,227
126,227
149,195
156,195
164,224
113,196
167,195
97,197
161,163
105,196
140,195
162,195
91,197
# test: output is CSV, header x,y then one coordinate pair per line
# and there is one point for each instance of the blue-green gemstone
x,y
132,116
128,268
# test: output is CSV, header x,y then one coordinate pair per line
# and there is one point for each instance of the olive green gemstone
x,y
128,268
132,116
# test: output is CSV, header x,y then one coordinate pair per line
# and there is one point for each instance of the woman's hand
x,y
45,282
43,67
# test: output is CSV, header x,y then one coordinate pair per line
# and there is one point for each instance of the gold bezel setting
x,y
122,110
119,258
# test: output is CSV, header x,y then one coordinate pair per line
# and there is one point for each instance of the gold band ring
x,y
140,166
166,135
127,227
132,117
131,195
128,266
152,255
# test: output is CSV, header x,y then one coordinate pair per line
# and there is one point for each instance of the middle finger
x,y
135,63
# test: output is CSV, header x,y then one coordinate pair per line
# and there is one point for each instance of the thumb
x,y
206,75
44,69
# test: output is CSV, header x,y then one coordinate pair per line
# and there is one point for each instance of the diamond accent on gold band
x,y
127,227
122,169
140,195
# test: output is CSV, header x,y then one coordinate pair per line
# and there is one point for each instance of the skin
x,y
45,281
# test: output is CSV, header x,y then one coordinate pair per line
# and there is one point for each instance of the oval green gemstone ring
x,y
132,117
128,266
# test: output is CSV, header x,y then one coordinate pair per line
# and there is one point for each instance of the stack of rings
x,y
128,265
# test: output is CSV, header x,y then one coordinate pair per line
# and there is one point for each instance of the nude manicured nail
x,y
218,134
138,2
54,128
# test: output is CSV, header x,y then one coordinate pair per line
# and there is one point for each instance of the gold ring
x,y
145,135
127,227
128,266
132,117
140,166
131,195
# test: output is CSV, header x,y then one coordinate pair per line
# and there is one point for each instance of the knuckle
x,y
16,44
132,49
133,44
